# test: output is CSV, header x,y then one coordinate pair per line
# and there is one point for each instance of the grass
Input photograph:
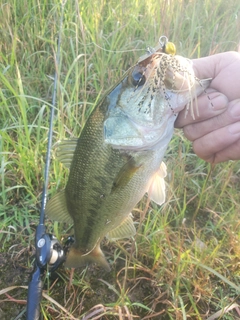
x,y
184,261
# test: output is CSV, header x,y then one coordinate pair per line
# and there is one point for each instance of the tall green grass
x,y
185,260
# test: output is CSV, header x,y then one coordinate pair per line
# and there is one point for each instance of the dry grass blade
x,y
95,312
5,290
67,313
46,296
152,316
220,313
98,311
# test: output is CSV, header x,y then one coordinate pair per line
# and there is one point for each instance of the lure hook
x,y
163,40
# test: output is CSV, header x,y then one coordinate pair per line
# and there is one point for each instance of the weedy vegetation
x,y
184,261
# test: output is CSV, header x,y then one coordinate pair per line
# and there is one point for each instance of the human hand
x,y
216,132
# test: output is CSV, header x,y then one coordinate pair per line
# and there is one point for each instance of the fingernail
x,y
234,128
218,101
235,110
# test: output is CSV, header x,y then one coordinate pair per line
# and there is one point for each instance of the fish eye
x,y
138,78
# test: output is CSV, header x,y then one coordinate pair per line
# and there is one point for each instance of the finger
x,y
232,152
220,67
208,105
197,130
208,146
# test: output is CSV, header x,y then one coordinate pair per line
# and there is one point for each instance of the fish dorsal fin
x,y
65,151
156,189
125,230
56,208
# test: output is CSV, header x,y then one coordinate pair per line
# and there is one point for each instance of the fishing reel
x,y
49,252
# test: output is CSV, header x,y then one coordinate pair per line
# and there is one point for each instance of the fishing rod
x,y
49,252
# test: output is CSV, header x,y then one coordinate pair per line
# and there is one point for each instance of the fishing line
x,y
114,51
50,133
49,252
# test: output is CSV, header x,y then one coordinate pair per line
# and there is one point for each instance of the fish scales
x,y
118,156
93,192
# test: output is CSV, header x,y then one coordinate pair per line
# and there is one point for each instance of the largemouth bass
x,y
118,156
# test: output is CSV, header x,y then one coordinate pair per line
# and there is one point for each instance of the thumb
x,y
223,68
205,68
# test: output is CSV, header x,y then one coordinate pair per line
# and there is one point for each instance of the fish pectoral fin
x,y
65,151
125,174
56,208
125,230
76,259
156,189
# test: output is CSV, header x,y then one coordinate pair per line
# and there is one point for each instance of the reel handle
x,y
34,296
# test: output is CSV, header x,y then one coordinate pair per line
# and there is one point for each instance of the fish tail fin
x,y
76,259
